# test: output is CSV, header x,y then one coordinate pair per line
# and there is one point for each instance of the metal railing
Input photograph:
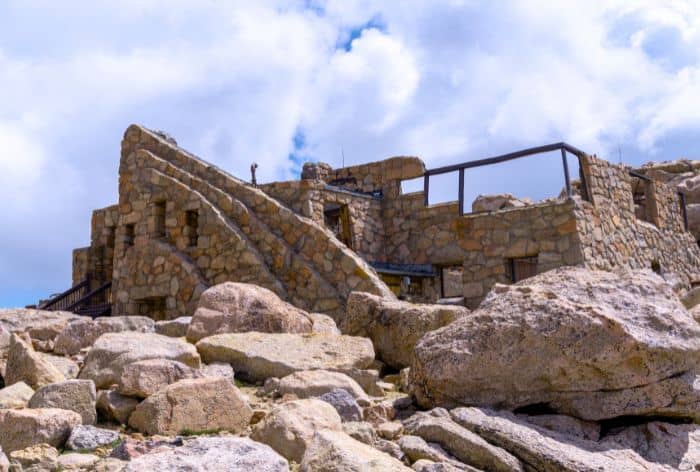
x,y
563,147
68,298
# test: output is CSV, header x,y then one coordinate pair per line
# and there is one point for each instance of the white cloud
x,y
235,81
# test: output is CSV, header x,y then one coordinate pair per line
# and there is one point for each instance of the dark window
x,y
152,307
519,268
337,219
129,235
656,266
159,219
192,227
644,200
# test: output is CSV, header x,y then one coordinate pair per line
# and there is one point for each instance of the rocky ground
x,y
571,370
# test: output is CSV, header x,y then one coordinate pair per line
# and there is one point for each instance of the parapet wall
x,y
613,236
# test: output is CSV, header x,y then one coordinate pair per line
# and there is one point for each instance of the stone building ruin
x,y
182,225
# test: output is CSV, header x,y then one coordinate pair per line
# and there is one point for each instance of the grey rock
x,y
74,395
83,332
89,438
344,404
211,454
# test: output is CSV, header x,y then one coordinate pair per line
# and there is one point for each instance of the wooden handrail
x,y
99,290
65,296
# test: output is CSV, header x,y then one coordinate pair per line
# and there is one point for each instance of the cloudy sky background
x,y
283,82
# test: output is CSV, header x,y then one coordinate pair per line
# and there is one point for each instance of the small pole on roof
x,y
619,153
342,153
253,168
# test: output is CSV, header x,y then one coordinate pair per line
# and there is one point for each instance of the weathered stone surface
x,y
114,406
16,395
394,326
83,332
77,461
390,430
26,365
193,405
416,448
213,453
312,383
37,458
217,369
114,351
323,324
263,355
64,365
89,438
344,404
130,448
390,448
236,307
566,330
545,450
567,425
290,426
41,325
176,328
461,443
29,427
144,378
74,395
675,446
333,450
360,430
498,202
4,462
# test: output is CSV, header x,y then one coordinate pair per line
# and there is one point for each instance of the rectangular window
x,y
519,268
644,199
192,227
153,307
129,235
159,219
337,219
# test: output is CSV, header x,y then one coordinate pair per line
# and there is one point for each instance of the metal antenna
x,y
619,153
342,152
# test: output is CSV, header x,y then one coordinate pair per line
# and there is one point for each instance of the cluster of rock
x,y
569,370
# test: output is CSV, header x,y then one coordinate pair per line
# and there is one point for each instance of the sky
x,y
281,83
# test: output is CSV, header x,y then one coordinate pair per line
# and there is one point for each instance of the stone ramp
x,y
311,268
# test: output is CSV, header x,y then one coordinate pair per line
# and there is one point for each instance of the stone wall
x,y
242,235
613,236
80,264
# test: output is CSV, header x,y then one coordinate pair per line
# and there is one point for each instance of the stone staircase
x,y
288,253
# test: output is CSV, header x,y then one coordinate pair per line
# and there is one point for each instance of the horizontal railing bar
x,y
640,176
58,298
87,297
505,157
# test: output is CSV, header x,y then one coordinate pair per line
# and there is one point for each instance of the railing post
x,y
567,179
461,192
426,188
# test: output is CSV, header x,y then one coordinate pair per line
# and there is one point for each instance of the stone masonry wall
x,y
80,264
243,235
612,236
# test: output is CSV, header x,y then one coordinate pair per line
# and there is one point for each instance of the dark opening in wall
x,y
129,235
152,307
159,219
644,199
192,227
656,266
337,218
451,282
519,268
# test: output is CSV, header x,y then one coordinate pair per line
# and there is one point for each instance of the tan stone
x,y
16,395
314,383
144,378
36,458
193,405
74,395
29,427
114,406
26,365
290,426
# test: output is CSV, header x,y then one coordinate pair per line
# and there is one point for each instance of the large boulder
x,y
176,328
82,333
29,427
41,457
567,331
144,378
113,406
212,453
28,366
114,351
290,426
89,438
498,202
334,450
263,355
193,405
42,326
237,307
16,395
313,383
394,326
546,450
74,395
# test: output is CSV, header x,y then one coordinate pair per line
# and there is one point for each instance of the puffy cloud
x,y
278,81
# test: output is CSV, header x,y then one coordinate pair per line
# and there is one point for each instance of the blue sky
x,y
282,82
